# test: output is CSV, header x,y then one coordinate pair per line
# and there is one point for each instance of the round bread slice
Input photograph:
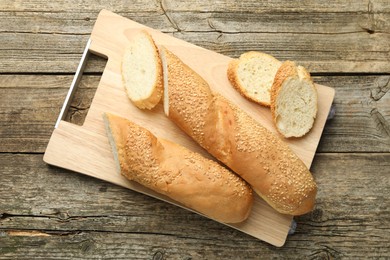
x,y
293,100
142,71
253,74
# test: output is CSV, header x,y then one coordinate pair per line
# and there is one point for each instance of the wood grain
x,y
30,104
338,52
228,21
247,5
342,38
353,222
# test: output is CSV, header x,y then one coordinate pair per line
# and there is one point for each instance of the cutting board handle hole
x,y
85,90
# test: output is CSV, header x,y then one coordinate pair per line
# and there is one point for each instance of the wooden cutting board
x,y
85,149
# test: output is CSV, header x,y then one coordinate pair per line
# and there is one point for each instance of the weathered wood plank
x,y
327,40
190,6
74,6
362,121
351,219
30,104
227,21
283,23
307,6
102,245
353,52
79,22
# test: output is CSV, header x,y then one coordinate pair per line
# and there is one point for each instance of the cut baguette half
x,y
252,75
234,138
293,100
142,71
172,170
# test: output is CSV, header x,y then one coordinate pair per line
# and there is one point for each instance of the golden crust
x,y
185,176
234,138
286,183
188,95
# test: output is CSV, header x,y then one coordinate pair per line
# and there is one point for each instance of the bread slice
x,y
252,75
142,71
172,170
293,100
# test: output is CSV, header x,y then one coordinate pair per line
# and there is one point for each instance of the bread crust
x,y
237,140
232,74
286,71
185,176
156,94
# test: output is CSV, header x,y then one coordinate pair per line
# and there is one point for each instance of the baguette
x,y
293,100
184,176
142,71
252,76
237,140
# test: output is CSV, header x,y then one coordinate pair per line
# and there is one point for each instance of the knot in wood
x,y
159,255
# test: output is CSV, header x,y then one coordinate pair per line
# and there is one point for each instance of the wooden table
x,y
53,213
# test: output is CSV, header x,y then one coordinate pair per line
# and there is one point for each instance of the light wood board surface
x,y
85,149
